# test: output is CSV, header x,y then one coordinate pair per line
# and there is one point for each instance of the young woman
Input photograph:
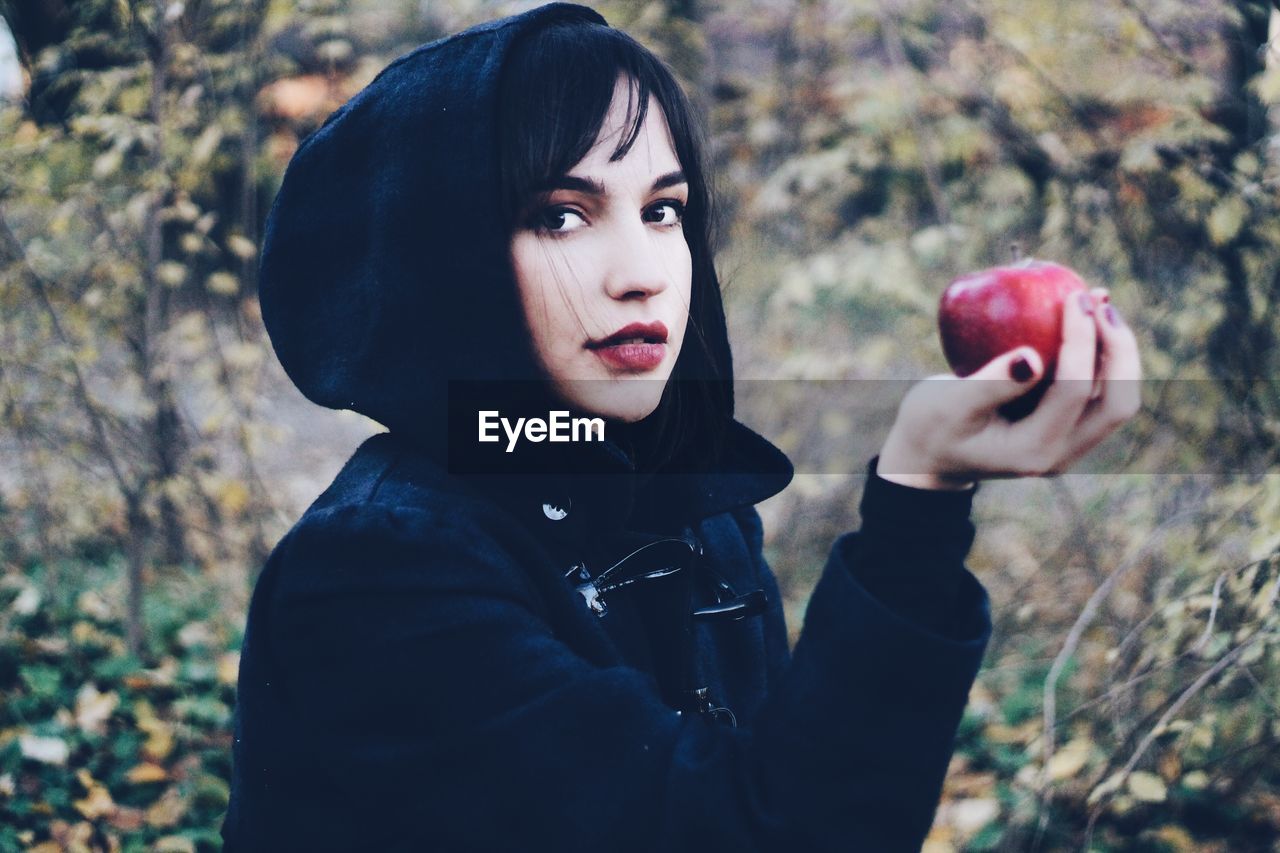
x,y
479,638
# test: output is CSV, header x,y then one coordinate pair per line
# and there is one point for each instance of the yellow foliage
x,y
206,145
160,741
1177,839
1069,760
1226,219
229,668
108,163
1147,787
232,497
97,803
168,810
171,273
1266,86
223,283
242,247
145,773
1196,780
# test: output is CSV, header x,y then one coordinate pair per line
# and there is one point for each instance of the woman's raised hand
x,y
949,432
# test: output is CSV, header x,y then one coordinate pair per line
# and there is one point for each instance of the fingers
x,y
1079,338
1006,377
1101,298
1065,401
1119,380
959,430
1120,360
1117,383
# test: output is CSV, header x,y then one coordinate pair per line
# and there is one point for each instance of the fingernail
x,y
1106,298
1020,369
1086,303
1113,317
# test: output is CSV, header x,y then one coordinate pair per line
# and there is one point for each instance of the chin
x,y
626,400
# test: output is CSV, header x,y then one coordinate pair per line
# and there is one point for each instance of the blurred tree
x,y
131,200
867,151
881,149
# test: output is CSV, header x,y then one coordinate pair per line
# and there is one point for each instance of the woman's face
x,y
604,271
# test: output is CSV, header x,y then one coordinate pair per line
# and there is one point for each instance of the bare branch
x,y
14,248
894,48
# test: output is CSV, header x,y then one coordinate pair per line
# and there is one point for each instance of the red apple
x,y
985,314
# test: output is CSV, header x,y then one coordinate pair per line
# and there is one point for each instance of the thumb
x,y
1007,377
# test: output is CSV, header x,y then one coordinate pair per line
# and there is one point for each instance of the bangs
x,y
557,85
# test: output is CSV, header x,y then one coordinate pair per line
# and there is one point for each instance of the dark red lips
x,y
635,348
649,333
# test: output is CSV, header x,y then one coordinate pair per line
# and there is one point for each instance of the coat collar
x,y
601,492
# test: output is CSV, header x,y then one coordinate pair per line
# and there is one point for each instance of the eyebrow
x,y
594,187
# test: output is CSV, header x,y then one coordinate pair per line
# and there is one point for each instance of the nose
x,y
637,268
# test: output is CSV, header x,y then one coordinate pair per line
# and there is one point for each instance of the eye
x,y
670,213
557,220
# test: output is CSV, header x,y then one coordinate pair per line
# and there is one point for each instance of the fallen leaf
x,y
27,602
146,772
195,634
969,816
71,838
173,844
162,676
229,668
52,646
97,804
93,605
93,709
1177,838
46,750
159,734
168,810
127,819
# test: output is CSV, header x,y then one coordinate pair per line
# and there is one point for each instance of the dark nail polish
x,y
1020,370
1113,317
1086,303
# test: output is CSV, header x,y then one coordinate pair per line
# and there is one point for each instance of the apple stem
x,y
1015,251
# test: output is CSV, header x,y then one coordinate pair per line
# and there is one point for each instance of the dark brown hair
x,y
557,85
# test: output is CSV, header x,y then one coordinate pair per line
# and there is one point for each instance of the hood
x,y
385,274
384,270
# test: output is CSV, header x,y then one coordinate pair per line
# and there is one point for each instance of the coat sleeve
x,y
444,703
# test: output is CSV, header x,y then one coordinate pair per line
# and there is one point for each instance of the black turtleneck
x,y
910,551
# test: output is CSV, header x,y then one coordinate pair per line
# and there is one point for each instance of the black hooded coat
x,y
426,664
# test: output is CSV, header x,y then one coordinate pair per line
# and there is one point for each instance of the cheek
x,y
536,284
682,264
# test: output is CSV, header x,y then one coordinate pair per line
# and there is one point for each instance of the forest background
x,y
867,152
